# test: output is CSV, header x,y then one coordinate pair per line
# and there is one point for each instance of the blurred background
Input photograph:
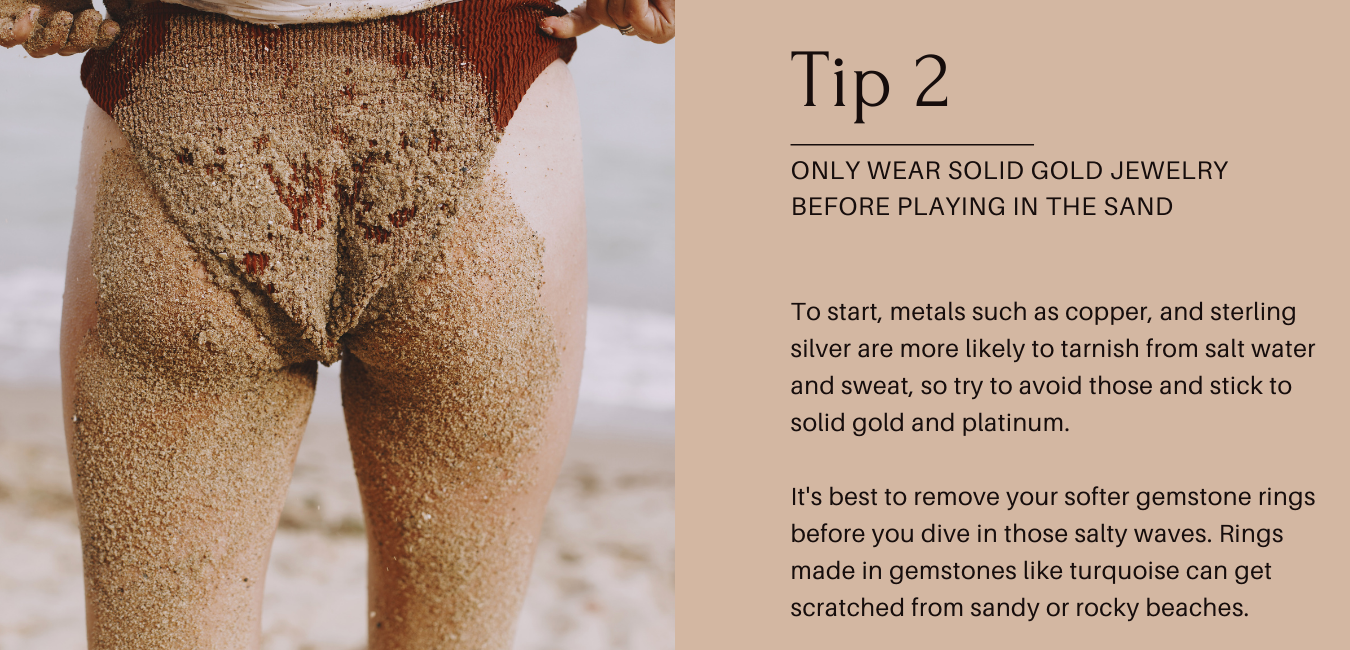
x,y
604,575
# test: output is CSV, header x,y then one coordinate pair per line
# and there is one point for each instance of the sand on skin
x,y
343,200
603,577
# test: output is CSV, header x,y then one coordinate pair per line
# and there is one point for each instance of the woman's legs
x,y
460,397
182,421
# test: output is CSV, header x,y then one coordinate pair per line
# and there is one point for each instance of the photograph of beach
x,y
603,576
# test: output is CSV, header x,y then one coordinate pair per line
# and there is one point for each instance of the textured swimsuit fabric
x,y
312,166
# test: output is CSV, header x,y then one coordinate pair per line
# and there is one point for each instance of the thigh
x,y
496,311
183,421
460,391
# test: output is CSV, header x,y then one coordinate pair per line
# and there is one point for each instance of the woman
x,y
396,184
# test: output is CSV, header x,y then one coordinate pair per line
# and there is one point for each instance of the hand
x,y
652,20
46,27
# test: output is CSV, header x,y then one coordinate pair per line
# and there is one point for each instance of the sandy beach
x,y
603,577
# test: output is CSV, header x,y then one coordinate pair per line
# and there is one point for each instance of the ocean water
x,y
626,89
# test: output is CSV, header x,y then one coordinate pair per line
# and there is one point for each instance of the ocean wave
x,y
630,358
30,325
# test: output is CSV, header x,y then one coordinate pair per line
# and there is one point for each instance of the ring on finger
x,y
626,31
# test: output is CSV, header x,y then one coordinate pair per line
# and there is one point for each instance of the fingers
x,y
7,32
597,11
48,39
60,33
651,20
83,32
618,13
656,20
106,33
17,30
574,24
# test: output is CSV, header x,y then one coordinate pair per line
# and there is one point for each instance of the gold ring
x,y
626,31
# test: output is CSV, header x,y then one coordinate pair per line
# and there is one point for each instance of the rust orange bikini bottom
x,y
310,165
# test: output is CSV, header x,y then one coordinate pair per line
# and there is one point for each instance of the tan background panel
x,y
1258,86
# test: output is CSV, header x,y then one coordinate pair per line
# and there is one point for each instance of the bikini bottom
x,y
314,167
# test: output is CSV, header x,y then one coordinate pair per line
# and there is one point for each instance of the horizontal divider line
x,y
912,144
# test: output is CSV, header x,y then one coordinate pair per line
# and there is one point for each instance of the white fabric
x,y
287,12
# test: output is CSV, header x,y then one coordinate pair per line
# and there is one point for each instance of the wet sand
x,y
603,577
